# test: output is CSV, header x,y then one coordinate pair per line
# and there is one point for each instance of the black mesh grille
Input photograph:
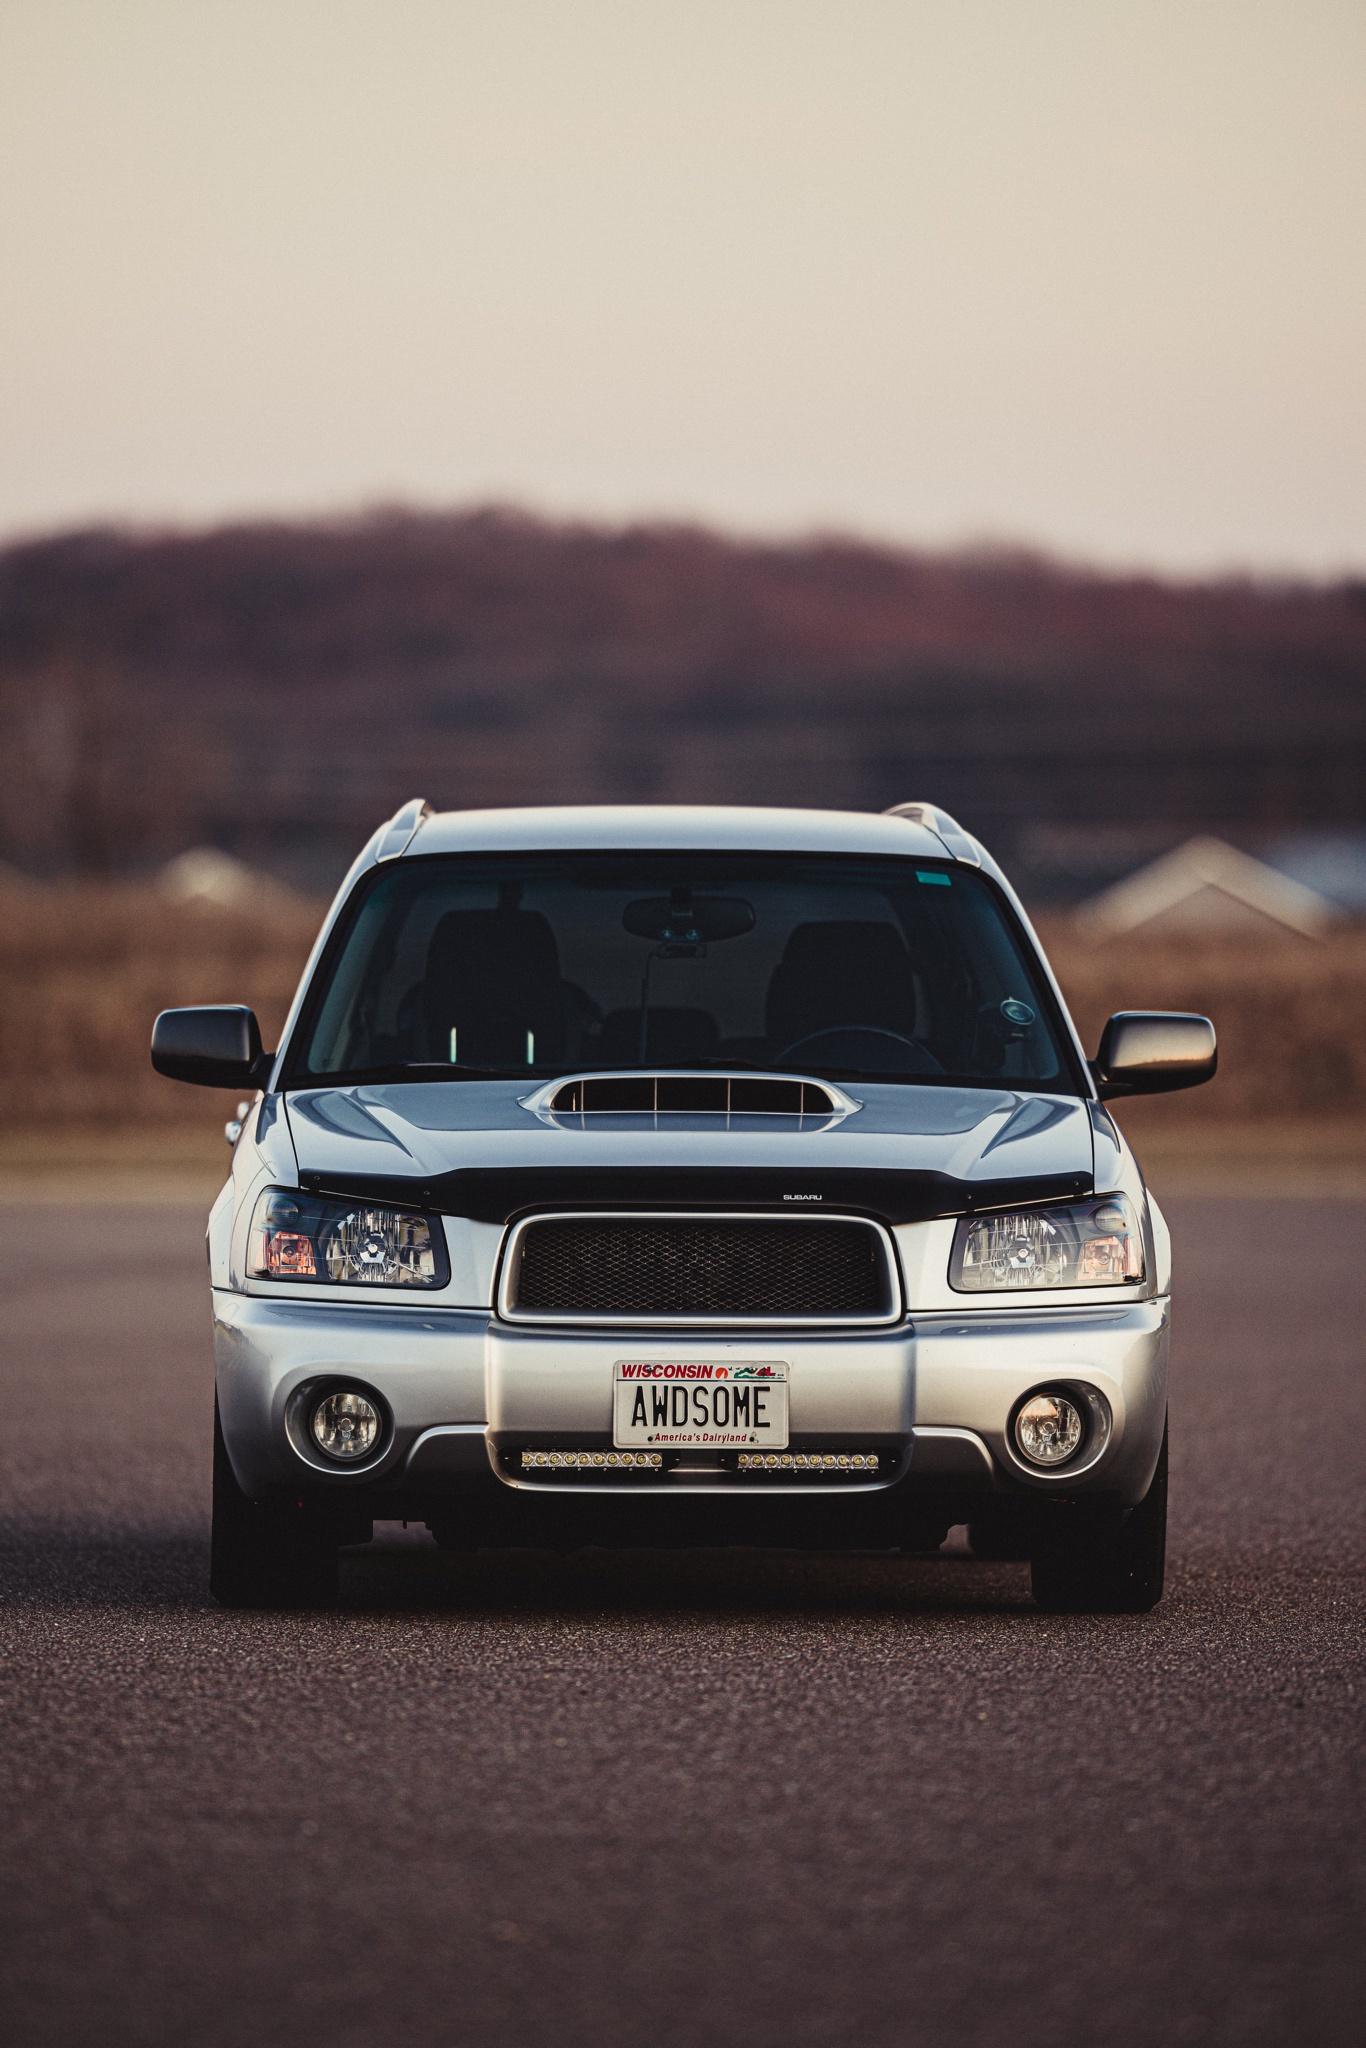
x,y
700,1266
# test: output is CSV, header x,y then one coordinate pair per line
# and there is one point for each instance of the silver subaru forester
x,y
686,1176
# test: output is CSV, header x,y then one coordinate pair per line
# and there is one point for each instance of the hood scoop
x,y
681,1093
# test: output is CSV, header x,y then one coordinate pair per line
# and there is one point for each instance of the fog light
x,y
807,1461
591,1461
1048,1429
345,1426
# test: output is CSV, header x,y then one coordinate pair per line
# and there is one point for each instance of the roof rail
x,y
399,832
946,829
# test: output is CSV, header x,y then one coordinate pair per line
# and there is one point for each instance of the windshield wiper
x,y
415,1070
822,1072
699,1066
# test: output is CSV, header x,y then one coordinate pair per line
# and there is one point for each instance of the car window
x,y
889,970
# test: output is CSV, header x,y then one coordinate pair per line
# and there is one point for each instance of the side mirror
x,y
217,1048
1152,1052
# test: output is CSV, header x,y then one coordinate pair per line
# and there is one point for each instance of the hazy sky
x,y
1090,273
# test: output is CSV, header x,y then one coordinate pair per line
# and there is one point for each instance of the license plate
x,y
684,1403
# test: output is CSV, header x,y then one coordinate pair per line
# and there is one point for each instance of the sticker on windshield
x,y
934,878
1016,1011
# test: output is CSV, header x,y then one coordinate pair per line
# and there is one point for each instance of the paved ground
x,y
676,1801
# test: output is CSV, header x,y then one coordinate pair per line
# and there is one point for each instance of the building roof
x,y
207,876
1210,876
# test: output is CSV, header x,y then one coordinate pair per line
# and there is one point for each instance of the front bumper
x,y
934,1395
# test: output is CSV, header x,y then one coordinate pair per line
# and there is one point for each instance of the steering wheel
x,y
920,1061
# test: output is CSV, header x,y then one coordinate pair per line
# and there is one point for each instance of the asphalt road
x,y
675,1800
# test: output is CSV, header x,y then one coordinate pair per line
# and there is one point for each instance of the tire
x,y
266,1553
1110,1563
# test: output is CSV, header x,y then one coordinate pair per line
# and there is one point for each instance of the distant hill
x,y
273,690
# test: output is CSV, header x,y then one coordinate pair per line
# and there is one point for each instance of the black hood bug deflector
x,y
496,1195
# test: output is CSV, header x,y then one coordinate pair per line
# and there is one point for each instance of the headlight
x,y
1095,1243
350,1244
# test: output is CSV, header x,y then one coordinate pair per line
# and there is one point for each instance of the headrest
x,y
511,941
840,973
493,977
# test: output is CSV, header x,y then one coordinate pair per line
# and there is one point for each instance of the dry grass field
x,y
85,967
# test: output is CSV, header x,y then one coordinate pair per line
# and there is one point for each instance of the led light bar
x,y
807,1461
591,1461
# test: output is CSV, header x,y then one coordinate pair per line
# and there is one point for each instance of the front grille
x,y
699,1269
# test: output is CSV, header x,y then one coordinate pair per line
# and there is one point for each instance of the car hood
x,y
482,1149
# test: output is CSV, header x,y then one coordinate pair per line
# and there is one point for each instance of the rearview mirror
x,y
687,920
216,1047
1152,1052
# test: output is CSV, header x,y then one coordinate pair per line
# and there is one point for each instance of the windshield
x,y
889,970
